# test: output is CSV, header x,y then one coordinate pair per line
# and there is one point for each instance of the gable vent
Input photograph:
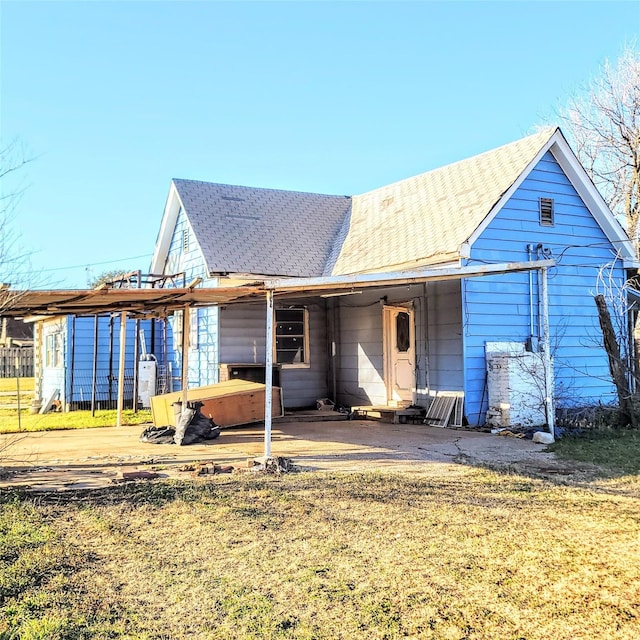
x,y
546,211
185,240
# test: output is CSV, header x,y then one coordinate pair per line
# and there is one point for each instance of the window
x,y
292,336
403,335
53,350
546,211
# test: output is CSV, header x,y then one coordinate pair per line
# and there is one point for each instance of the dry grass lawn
x,y
476,555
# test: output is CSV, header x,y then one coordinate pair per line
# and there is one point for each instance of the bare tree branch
x,y
603,125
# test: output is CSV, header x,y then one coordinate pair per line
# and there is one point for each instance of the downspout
x,y
546,353
531,315
268,375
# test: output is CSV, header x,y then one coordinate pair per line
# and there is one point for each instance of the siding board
x,y
497,308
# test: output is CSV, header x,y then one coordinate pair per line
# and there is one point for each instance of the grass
x,y
51,421
68,420
11,384
476,555
614,449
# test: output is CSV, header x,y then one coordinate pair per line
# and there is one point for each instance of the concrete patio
x,y
86,458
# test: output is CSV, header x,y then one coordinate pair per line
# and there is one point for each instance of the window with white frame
x,y
53,350
292,336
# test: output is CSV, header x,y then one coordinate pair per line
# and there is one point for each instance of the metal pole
x,y
268,377
123,345
546,353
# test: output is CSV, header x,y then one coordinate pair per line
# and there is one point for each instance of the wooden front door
x,y
399,355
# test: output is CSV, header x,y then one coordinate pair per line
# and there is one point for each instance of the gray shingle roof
x,y
262,231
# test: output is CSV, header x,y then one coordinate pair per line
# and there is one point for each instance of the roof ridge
x,y
253,188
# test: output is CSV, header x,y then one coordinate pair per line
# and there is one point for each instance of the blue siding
x,y
203,356
79,352
497,308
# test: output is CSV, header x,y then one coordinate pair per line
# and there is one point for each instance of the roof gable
x,y
261,231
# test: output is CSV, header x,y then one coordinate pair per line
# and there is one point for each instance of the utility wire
x,y
97,264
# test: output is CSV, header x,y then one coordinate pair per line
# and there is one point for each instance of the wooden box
x,y
229,403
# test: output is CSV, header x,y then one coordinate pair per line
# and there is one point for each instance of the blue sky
x,y
113,99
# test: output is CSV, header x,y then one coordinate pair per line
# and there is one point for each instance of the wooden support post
x,y
185,355
268,376
123,349
616,366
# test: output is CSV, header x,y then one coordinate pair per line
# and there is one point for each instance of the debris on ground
x,y
128,476
542,437
508,432
193,426
271,464
206,468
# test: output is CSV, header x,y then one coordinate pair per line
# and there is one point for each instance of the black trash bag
x,y
158,435
194,426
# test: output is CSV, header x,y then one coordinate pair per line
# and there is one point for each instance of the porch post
x,y
546,353
268,376
186,324
123,346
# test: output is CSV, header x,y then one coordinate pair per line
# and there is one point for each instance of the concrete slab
x,y
86,458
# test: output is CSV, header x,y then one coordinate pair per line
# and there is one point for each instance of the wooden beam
x,y
185,354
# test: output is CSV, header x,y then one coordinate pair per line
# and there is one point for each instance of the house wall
x,y
437,315
203,353
498,308
79,348
243,340
443,310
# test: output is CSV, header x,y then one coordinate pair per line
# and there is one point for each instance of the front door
x,y
399,355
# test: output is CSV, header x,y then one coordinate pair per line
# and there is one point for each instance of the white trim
x,y
306,363
581,182
167,226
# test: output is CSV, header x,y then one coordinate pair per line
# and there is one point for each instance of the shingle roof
x,y
262,231
412,223
425,219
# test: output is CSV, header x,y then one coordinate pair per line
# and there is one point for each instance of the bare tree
x,y
15,266
603,125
